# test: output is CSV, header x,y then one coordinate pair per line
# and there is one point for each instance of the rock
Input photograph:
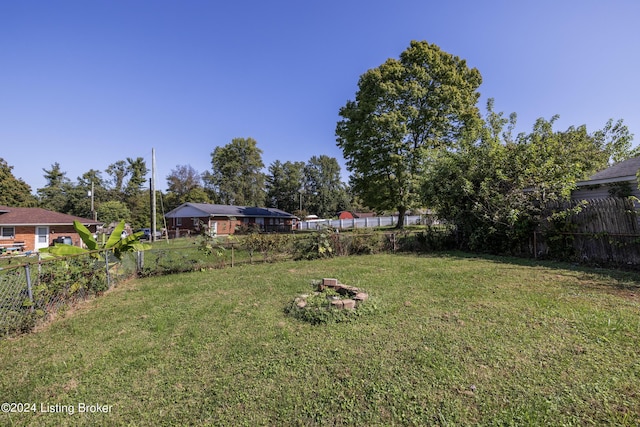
x,y
361,296
348,303
330,282
337,303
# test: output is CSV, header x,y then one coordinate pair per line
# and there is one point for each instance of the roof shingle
x,y
38,216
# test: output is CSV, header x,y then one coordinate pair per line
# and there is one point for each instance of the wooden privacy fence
x,y
600,231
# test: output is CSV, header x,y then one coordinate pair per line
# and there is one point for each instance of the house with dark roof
x,y
31,229
619,180
225,219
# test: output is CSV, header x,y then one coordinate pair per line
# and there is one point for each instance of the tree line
x,y
237,177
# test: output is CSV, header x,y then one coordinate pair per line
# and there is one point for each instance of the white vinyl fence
x,y
342,224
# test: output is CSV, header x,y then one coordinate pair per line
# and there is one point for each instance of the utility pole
x,y
153,195
93,211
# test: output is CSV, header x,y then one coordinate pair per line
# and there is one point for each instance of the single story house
x,y
31,229
224,219
618,180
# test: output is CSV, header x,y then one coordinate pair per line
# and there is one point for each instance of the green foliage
x,y
236,178
319,244
404,111
436,238
184,184
113,211
54,195
362,242
13,191
318,309
115,242
496,190
269,245
324,192
59,280
210,245
283,183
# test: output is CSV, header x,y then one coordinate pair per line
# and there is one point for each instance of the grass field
x,y
454,340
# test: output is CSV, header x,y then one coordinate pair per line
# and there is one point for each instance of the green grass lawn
x,y
454,340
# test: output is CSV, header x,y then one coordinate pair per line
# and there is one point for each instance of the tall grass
x,y
454,341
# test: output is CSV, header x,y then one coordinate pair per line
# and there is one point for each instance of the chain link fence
x,y
32,289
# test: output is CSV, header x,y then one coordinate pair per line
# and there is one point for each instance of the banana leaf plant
x,y
115,242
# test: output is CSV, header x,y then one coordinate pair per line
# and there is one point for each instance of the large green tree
x,y
284,183
325,193
79,195
403,110
54,195
184,184
236,177
114,211
14,191
128,179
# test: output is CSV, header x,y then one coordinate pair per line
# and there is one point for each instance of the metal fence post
x,y
27,272
140,261
106,263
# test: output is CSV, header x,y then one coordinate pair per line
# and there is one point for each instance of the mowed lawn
x,y
453,340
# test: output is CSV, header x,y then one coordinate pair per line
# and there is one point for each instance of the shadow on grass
x,y
618,278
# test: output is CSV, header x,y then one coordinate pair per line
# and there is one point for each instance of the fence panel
x,y
345,224
600,230
16,301
36,289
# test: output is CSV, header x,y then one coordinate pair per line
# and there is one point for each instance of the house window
x,y
179,222
7,233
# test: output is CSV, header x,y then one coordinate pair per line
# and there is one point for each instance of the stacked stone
x,y
354,294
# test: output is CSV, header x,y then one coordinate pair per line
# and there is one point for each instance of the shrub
x,y
362,242
319,244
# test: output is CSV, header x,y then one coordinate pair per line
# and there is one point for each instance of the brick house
x,y
30,229
224,219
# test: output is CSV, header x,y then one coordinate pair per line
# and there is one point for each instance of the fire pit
x,y
331,301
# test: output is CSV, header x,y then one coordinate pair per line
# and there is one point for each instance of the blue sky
x,y
87,83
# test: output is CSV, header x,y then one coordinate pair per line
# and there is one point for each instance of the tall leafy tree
x,y
236,177
78,196
324,191
14,191
137,171
128,178
114,211
54,195
184,184
616,141
118,173
284,183
403,110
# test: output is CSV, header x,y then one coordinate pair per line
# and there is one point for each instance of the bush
x,y
361,242
319,244
436,239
